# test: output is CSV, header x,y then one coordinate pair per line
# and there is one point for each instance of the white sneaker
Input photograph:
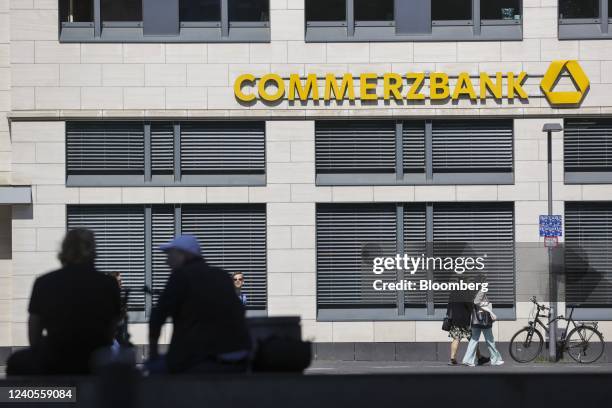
x,y
497,363
469,365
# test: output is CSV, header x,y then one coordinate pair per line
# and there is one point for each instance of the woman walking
x,y
482,322
459,313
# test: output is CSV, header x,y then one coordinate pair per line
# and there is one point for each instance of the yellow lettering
x,y
515,85
238,84
280,87
486,84
413,92
331,85
464,87
367,83
392,85
295,84
438,85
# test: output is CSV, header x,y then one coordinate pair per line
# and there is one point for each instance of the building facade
x,y
295,138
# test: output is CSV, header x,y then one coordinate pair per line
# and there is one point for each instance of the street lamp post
x,y
549,128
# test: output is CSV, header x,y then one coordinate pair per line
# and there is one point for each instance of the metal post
x,y
552,335
350,17
225,18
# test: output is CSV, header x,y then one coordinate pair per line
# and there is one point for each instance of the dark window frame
x,y
147,209
223,31
476,29
176,178
586,29
429,311
429,176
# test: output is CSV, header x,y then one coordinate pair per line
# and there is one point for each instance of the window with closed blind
x,y
381,152
588,260
350,236
587,151
165,153
232,237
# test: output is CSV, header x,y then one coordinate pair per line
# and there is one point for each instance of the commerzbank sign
x,y
412,86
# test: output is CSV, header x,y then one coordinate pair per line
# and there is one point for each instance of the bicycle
x,y
584,343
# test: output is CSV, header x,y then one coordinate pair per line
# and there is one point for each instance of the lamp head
x,y
552,127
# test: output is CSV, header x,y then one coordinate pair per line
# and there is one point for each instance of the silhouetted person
x,y
209,328
238,278
122,335
76,306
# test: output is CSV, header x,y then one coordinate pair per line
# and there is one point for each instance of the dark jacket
x,y
459,309
208,317
78,307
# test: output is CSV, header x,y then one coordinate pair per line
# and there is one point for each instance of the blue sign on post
x,y
551,226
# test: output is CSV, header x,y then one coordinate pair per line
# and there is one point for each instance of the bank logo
x,y
552,76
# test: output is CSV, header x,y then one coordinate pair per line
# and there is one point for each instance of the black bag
x,y
446,324
481,318
282,354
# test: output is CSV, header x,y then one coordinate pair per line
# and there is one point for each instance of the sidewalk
x,y
432,367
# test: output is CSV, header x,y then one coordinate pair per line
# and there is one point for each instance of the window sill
x,y
221,180
330,33
391,314
188,34
588,177
582,31
586,313
415,179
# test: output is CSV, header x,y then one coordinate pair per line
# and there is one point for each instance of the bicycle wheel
x,y
584,344
526,345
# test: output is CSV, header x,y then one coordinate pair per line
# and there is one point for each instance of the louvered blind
x,y
348,238
415,236
162,148
119,232
234,238
228,147
413,140
162,231
472,146
588,145
477,229
355,147
105,148
588,255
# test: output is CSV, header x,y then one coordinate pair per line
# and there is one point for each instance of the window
x,y
200,10
76,11
500,10
395,153
584,19
249,10
121,10
165,153
232,237
350,236
325,10
578,9
380,10
451,10
588,151
588,260
164,21
413,20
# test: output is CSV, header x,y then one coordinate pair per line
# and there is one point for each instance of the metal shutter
x,y
413,140
233,237
119,232
476,229
348,237
162,148
415,245
355,147
215,147
588,145
162,231
104,148
588,259
472,146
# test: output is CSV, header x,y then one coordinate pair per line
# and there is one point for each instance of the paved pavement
x,y
398,367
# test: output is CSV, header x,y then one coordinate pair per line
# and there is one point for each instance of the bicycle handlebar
x,y
540,307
